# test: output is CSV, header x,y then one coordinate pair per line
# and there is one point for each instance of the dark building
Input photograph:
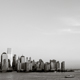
x,y
0,65
63,66
9,65
33,65
22,60
14,64
40,65
4,62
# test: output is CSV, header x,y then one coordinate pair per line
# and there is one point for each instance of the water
x,y
39,76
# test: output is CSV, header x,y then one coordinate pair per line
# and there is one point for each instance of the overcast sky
x,y
42,29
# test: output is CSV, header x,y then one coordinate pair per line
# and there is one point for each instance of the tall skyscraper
x,y
27,65
18,64
4,61
63,66
23,62
9,53
47,66
14,62
53,65
57,65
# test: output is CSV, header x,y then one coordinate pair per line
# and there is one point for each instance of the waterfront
x,y
39,76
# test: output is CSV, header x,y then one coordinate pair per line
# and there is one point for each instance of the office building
x,y
9,53
40,65
63,66
22,60
30,64
58,66
4,61
18,65
47,66
9,65
52,65
14,65
33,66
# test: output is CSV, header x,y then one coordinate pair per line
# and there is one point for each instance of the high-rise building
x,y
0,65
26,59
18,64
27,65
33,65
30,64
9,65
22,60
4,61
40,65
57,65
14,62
47,66
63,66
9,53
52,65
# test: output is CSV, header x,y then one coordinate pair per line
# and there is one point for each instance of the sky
x,y
41,29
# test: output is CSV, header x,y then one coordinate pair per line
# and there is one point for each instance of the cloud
x,y
71,31
63,31
70,21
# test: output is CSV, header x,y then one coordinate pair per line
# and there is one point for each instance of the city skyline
x,y
25,64
40,29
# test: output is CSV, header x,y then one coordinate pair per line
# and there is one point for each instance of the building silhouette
x,y
30,64
18,65
9,53
14,64
27,65
57,66
63,66
47,66
4,61
22,61
52,65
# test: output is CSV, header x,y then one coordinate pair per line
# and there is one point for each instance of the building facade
x,y
4,61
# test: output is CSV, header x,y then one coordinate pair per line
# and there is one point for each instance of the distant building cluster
x,y
25,64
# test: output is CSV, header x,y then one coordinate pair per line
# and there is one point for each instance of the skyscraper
x,y
14,62
27,65
18,65
22,60
4,62
63,66
9,53
30,64
53,65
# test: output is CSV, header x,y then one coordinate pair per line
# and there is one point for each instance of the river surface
x,y
39,76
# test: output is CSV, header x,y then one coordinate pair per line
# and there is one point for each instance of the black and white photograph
x,y
39,39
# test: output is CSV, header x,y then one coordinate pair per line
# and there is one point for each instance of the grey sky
x,y
47,29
